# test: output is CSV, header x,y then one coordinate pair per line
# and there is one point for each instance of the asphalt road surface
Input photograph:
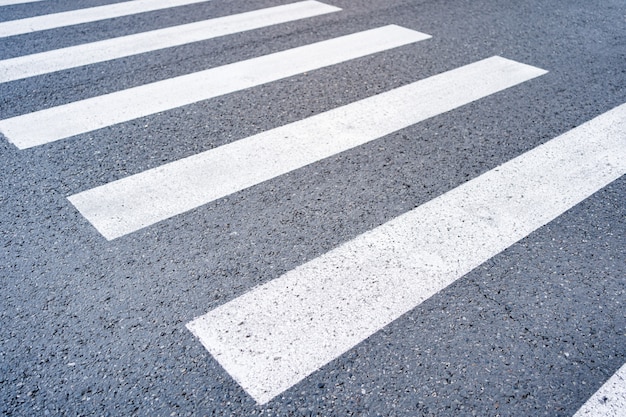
x,y
348,208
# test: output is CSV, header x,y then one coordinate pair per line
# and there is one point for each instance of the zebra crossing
x,y
91,53
80,16
262,338
355,290
83,116
129,204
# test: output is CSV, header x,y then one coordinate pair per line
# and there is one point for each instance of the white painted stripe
x,y
74,56
131,203
277,334
92,14
12,2
83,116
609,400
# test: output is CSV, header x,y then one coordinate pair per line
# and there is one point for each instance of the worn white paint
x,y
609,400
90,53
92,14
277,334
12,2
60,122
126,205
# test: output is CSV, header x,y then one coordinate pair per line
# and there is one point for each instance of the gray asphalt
x,y
91,327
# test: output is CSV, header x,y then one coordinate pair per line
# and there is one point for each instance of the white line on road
x,y
609,400
92,14
60,122
126,205
12,2
74,56
279,333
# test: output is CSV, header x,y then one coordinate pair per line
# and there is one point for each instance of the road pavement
x,y
347,208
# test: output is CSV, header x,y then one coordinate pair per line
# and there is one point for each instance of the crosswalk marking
x,y
280,333
126,205
92,14
609,400
277,334
12,2
60,122
74,56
